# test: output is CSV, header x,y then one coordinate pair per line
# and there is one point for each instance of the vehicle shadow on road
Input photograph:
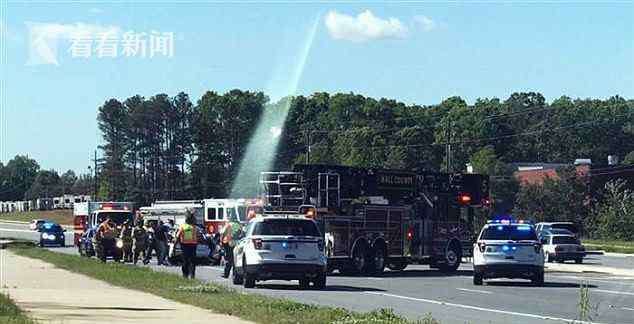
x,y
328,288
411,273
547,284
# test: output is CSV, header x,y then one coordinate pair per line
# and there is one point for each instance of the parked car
x,y
52,234
562,247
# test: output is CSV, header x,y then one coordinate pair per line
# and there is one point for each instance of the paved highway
x,y
454,300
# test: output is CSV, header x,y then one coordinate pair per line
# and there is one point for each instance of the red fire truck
x,y
376,218
83,211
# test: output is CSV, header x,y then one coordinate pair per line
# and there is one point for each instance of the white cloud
x,y
44,37
426,23
365,26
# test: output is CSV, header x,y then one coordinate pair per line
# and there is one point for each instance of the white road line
x,y
613,292
627,308
16,230
475,291
476,308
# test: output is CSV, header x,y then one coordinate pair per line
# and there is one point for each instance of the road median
x,y
216,298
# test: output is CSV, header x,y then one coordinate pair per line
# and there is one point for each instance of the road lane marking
x,y
475,291
614,292
476,308
627,308
17,230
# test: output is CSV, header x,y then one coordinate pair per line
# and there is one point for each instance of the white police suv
x,y
279,247
507,249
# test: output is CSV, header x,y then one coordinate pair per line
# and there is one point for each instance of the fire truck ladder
x,y
329,193
282,189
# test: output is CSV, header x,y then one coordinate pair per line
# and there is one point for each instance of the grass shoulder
x,y
60,216
10,313
217,298
610,245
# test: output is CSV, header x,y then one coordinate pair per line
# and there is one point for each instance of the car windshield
x,y
286,227
564,240
569,227
117,217
509,232
50,227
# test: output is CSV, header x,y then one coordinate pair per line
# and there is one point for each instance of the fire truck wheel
x,y
452,259
359,259
378,260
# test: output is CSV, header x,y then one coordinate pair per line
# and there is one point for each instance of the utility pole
x,y
448,145
94,178
308,147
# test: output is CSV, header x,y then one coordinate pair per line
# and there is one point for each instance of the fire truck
x,y
86,215
376,218
217,212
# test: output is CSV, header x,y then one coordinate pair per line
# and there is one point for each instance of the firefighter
x,y
230,233
126,237
139,238
105,239
187,236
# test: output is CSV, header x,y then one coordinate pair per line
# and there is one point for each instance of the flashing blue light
x,y
500,228
523,228
285,245
514,248
505,248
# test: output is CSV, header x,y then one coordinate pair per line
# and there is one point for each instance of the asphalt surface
x,y
453,299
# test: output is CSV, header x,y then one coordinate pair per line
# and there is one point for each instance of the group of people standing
x,y
140,239
139,242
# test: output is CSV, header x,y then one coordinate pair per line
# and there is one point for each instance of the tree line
x,y
23,179
169,147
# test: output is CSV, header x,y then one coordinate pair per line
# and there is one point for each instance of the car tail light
x,y
410,234
538,247
257,243
320,245
482,247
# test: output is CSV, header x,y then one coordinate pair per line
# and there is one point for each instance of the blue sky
x,y
412,52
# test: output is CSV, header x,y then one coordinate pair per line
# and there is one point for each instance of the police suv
x,y
280,247
508,249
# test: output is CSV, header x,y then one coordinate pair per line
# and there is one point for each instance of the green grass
x,y
60,216
10,313
217,298
610,246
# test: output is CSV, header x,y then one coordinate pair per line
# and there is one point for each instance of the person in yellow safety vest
x,y
187,236
230,232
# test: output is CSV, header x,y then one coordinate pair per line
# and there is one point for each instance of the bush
x,y
614,219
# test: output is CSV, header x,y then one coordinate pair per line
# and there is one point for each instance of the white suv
x,y
508,250
277,247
